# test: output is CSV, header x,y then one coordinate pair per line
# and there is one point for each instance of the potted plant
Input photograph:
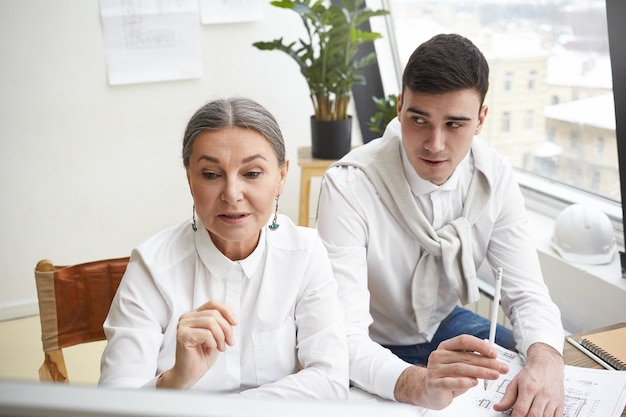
x,y
327,58
387,110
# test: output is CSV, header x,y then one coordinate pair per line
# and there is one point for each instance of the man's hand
x,y
200,336
538,389
456,366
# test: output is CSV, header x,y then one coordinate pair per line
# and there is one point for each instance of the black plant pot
x,y
330,139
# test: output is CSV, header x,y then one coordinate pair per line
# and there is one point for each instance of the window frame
x,y
615,10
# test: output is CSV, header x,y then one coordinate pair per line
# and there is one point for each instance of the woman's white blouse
x,y
290,337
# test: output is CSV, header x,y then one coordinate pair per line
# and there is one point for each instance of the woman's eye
x,y
252,174
209,175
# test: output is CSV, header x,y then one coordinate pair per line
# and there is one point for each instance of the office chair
x,y
73,303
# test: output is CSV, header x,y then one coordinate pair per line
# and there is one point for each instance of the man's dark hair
x,y
447,62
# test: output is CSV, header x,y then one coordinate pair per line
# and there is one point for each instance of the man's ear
x,y
482,115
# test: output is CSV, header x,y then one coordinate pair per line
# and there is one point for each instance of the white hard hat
x,y
584,234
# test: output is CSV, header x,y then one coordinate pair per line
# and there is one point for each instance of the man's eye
x,y
454,124
419,120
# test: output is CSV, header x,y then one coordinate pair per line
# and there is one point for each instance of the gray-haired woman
x,y
239,300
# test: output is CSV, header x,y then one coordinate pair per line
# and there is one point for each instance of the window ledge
x,y
550,198
589,296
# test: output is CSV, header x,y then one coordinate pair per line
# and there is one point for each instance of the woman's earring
x,y
193,217
275,224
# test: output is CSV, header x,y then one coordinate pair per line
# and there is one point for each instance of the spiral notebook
x,y
609,345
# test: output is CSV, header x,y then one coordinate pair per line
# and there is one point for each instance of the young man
x,y
407,220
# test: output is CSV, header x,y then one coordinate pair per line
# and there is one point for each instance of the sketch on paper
x,y
147,40
588,392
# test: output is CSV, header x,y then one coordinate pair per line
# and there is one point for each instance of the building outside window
x,y
595,179
599,147
506,122
573,140
528,120
532,80
508,82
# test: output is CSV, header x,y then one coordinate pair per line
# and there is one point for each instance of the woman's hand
x,y
200,336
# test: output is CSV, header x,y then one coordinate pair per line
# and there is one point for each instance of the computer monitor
x,y
32,399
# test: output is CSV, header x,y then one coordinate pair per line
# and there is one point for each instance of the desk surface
x,y
573,356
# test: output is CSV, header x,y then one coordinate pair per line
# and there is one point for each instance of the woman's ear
x,y
189,182
283,177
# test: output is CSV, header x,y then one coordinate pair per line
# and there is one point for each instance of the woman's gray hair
x,y
234,112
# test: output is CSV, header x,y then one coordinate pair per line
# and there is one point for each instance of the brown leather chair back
x,y
73,303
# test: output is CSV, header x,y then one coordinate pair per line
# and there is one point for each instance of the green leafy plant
x,y
326,56
387,110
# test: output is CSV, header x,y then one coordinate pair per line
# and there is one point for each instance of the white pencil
x,y
589,353
495,306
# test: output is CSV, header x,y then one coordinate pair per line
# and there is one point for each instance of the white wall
x,y
87,170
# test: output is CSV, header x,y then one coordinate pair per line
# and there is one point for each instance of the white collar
x,y
217,263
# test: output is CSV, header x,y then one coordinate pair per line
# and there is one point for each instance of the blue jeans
x,y
460,321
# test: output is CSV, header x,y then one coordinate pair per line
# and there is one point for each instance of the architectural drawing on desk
x,y
588,392
573,405
494,393
577,392
485,399
581,397
495,390
575,399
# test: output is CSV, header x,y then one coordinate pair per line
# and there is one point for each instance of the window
x,y
506,122
595,180
508,82
528,120
532,80
599,146
573,140
551,133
